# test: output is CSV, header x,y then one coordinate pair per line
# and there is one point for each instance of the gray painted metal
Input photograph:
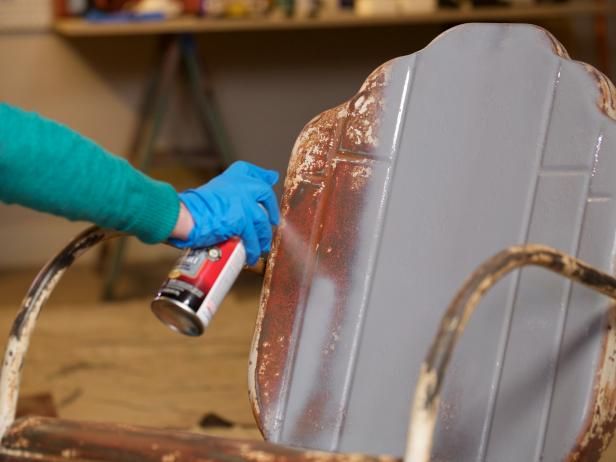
x,y
488,138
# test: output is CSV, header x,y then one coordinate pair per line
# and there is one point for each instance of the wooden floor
x,y
117,362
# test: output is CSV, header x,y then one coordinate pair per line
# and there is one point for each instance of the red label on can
x,y
201,267
197,285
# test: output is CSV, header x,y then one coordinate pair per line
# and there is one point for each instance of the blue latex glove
x,y
239,202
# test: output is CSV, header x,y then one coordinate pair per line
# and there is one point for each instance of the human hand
x,y
239,202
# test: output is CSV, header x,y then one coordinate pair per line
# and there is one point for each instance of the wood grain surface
x,y
116,362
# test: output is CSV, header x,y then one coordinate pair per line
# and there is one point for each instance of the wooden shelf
x,y
71,27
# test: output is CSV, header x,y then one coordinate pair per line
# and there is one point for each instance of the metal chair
x,y
488,139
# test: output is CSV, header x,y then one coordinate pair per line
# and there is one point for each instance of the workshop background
x,y
112,360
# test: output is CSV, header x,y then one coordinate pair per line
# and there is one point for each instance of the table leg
x,y
202,92
175,48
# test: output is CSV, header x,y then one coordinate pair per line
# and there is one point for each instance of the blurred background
x,y
266,68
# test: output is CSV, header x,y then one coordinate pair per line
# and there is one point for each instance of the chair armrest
x,y
427,392
21,331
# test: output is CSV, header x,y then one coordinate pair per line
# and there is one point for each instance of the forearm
x,y
184,224
48,167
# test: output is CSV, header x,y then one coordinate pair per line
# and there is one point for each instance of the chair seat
x,y
48,439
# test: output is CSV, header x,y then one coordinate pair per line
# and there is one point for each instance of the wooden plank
x,y
75,27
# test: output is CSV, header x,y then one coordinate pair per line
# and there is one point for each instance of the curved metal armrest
x,y
40,290
38,293
427,392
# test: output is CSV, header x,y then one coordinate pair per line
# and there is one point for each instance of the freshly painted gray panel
x,y
458,169
571,142
525,383
604,165
488,138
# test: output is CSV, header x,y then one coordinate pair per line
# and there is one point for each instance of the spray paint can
x,y
197,285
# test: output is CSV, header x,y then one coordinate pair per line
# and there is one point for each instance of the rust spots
x,y
593,444
310,153
55,440
607,93
363,113
600,424
23,424
557,47
606,100
69,453
359,171
22,443
282,291
328,175
174,456
18,324
257,455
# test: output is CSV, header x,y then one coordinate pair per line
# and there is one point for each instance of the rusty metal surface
x,y
427,394
23,326
51,440
600,424
333,165
488,138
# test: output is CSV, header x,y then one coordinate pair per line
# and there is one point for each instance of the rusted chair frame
x,y
21,331
55,440
426,400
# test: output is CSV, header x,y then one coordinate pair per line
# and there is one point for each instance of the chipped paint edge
x,y
39,438
606,97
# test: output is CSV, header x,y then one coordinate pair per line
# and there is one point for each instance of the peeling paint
x,y
69,453
171,457
362,122
600,424
328,175
557,47
606,99
309,155
55,440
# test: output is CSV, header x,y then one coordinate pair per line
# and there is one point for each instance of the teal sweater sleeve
x,y
48,167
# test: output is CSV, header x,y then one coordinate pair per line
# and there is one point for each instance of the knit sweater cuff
x,y
158,214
